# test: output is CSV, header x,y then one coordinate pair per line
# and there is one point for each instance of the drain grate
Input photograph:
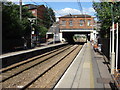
x,y
103,80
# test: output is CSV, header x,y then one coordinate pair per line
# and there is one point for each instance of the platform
x,y
88,70
29,50
9,59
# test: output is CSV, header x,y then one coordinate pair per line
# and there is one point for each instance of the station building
x,y
70,25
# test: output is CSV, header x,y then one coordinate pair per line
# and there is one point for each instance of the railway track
x,y
25,65
32,72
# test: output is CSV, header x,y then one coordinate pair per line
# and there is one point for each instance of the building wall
x,y
37,11
34,12
41,11
76,23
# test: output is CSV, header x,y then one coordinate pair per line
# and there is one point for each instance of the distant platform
x,y
29,50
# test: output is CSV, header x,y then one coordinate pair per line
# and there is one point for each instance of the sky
x,y
64,7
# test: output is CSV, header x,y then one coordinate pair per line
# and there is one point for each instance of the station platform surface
x,y
43,46
88,70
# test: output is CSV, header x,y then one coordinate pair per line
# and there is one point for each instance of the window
x,y
71,23
81,22
89,23
63,23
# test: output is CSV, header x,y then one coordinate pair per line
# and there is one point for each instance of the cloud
x,y
66,11
89,10
72,11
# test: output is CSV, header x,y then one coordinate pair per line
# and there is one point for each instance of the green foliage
x,y
26,13
106,12
52,15
43,31
13,27
49,17
11,24
40,30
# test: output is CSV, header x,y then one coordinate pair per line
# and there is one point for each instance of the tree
x,y
104,14
13,28
49,17
10,21
42,31
52,15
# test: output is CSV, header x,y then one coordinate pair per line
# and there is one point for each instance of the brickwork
x,y
37,11
76,22
40,11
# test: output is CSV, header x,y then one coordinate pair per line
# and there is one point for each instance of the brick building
x,y
77,24
37,10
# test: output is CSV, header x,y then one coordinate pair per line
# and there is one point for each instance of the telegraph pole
x,y
20,2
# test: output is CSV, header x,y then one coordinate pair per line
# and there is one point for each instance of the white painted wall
x,y
60,36
91,36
